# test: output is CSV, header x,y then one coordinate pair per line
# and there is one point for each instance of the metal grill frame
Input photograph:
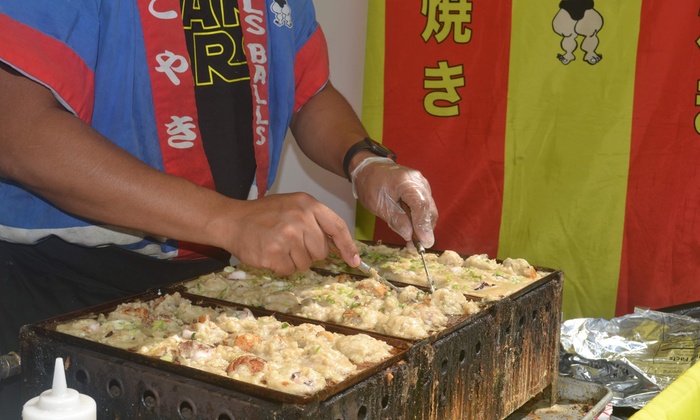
x,y
486,368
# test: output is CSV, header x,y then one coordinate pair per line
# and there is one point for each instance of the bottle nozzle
x,y
59,386
60,402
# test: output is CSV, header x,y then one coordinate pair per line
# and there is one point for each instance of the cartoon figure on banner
x,y
283,13
578,18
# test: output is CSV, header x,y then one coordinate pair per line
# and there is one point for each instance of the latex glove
x,y
380,184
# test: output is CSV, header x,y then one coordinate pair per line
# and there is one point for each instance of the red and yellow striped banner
x,y
563,132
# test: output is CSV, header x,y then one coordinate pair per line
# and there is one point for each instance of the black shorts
x,y
55,277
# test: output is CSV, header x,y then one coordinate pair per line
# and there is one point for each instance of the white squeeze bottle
x,y
60,402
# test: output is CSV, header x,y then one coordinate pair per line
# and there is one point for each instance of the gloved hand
x,y
380,184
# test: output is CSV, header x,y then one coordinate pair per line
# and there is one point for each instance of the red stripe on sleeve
x,y
51,63
311,68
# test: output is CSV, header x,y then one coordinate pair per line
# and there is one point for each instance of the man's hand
x,y
381,185
326,127
62,159
287,232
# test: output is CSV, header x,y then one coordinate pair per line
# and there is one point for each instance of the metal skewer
x,y
365,268
419,246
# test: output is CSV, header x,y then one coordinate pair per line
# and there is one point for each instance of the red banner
x,y
562,132
429,69
661,247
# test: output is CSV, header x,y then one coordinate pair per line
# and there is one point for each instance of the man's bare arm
x,y
57,156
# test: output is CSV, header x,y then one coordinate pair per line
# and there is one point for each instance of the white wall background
x,y
344,23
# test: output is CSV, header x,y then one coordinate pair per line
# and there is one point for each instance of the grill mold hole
x,y
362,413
443,367
149,399
385,402
186,410
462,357
114,388
477,347
224,416
82,377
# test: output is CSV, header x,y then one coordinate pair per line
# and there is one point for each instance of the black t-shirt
x,y
222,90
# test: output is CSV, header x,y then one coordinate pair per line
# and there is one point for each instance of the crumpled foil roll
x,y
636,355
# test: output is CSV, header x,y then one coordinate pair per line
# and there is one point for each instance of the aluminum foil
x,y
636,355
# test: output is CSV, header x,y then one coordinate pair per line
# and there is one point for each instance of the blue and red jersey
x,y
123,68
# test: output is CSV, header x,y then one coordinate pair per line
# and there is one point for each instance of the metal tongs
x,y
419,246
366,268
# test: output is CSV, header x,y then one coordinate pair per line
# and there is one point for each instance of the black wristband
x,y
365,144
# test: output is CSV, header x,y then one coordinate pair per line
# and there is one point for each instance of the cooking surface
x,y
477,276
485,366
133,337
366,304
